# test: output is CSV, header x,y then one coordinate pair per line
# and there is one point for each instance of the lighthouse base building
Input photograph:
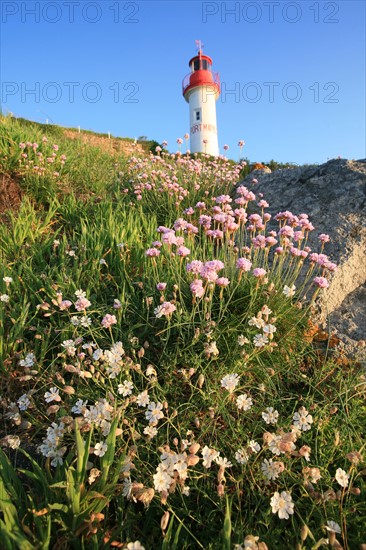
x,y
201,89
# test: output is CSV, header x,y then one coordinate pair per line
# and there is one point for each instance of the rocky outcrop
x,y
334,196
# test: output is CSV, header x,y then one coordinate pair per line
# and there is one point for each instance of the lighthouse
x,y
201,89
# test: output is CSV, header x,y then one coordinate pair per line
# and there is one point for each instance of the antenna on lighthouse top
x,y
199,47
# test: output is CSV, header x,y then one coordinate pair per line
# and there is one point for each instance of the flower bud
x,y
200,381
164,521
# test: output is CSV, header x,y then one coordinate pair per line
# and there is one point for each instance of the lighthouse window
x,y
197,114
204,64
196,65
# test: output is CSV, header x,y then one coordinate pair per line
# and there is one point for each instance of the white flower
x,y
282,504
4,298
150,431
256,322
154,412
270,469
269,329
29,360
80,294
23,402
162,480
79,407
223,462
230,381
303,419
271,416
100,449
273,444
135,546
260,340
211,349
333,527
242,340
143,399
265,310
7,280
254,446
208,455
243,402
52,395
241,456
289,291
126,388
69,347
342,477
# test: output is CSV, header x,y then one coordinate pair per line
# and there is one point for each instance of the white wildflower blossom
x,y
244,402
282,504
270,416
125,388
302,419
260,340
230,381
209,455
52,395
143,399
289,291
342,477
100,448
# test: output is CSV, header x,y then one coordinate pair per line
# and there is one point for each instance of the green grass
x,y
83,463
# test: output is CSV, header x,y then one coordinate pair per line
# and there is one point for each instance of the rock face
x,y
334,196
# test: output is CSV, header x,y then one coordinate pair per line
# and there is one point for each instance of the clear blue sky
x,y
293,73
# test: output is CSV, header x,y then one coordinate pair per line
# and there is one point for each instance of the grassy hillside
x,y
162,386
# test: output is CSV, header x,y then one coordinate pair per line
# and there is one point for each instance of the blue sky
x,y
292,73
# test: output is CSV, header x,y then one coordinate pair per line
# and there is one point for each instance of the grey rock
x,y
334,196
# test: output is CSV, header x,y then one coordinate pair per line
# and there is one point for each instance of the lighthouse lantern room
x,y
201,89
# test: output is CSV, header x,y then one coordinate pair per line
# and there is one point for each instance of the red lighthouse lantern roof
x,y
201,74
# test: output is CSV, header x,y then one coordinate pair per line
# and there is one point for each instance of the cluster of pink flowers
x,y
177,175
224,224
109,320
37,158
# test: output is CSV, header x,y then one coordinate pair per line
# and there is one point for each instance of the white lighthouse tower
x,y
201,89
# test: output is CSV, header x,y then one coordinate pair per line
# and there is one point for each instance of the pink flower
x,y
166,309
194,267
259,272
324,238
186,136
286,231
222,281
226,147
321,282
82,303
65,304
152,252
183,251
55,147
179,141
161,287
243,264
109,320
241,142
197,288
